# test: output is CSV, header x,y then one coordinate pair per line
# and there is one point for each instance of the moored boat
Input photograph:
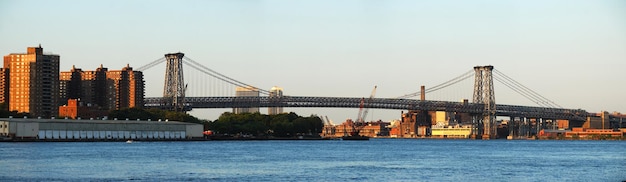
x,y
355,137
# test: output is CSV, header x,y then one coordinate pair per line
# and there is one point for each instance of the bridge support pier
x,y
174,87
484,94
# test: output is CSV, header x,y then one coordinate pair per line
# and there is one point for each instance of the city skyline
x,y
572,52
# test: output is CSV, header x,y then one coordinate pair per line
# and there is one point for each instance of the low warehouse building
x,y
451,132
68,130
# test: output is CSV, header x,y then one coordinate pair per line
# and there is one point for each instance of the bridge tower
x,y
484,94
174,87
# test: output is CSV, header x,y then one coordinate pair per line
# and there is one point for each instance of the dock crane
x,y
330,123
326,121
360,121
362,110
329,128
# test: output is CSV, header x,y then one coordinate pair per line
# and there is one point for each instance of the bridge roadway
x,y
377,103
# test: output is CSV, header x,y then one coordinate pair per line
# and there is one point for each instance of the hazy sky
x,y
570,51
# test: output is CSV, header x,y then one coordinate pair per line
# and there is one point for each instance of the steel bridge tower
x,y
484,94
174,87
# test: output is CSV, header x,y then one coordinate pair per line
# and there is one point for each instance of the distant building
x,y
598,121
581,133
375,129
562,124
76,109
417,124
275,94
451,131
347,128
129,87
246,92
107,90
413,124
32,81
4,85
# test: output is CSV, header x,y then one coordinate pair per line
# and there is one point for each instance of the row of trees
x,y
145,114
280,125
5,113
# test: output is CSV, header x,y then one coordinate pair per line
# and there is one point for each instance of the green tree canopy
x,y
5,113
153,114
280,125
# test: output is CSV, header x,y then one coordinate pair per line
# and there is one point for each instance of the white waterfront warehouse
x,y
68,129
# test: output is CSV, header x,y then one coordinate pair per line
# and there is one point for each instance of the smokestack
x,y
422,93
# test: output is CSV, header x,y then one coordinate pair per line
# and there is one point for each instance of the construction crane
x,y
360,121
326,121
330,123
362,110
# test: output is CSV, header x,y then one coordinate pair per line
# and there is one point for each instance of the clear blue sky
x,y
570,51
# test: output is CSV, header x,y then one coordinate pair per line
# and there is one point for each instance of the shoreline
x,y
281,138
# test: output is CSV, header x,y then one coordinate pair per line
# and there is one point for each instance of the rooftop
x,y
87,121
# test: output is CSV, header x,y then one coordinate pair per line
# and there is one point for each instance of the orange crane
x,y
360,121
363,111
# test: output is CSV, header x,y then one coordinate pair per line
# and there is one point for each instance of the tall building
x,y
246,92
129,87
108,90
275,94
4,86
88,86
33,82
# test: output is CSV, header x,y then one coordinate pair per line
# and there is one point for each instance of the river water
x,y
321,160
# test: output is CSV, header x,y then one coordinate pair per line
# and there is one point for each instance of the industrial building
x,y
597,125
26,129
369,129
77,109
451,131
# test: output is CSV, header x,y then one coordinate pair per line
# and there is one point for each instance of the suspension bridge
x,y
483,106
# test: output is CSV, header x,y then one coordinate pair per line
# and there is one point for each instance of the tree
x,y
154,114
280,125
5,113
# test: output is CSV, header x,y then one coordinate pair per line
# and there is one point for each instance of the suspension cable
x,y
524,94
151,64
523,91
528,89
212,75
440,86
447,85
222,77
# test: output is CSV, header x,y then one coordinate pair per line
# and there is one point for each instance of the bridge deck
x,y
377,103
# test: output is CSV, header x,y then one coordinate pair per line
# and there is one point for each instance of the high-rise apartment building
x,y
246,92
129,87
4,86
275,94
33,82
108,90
